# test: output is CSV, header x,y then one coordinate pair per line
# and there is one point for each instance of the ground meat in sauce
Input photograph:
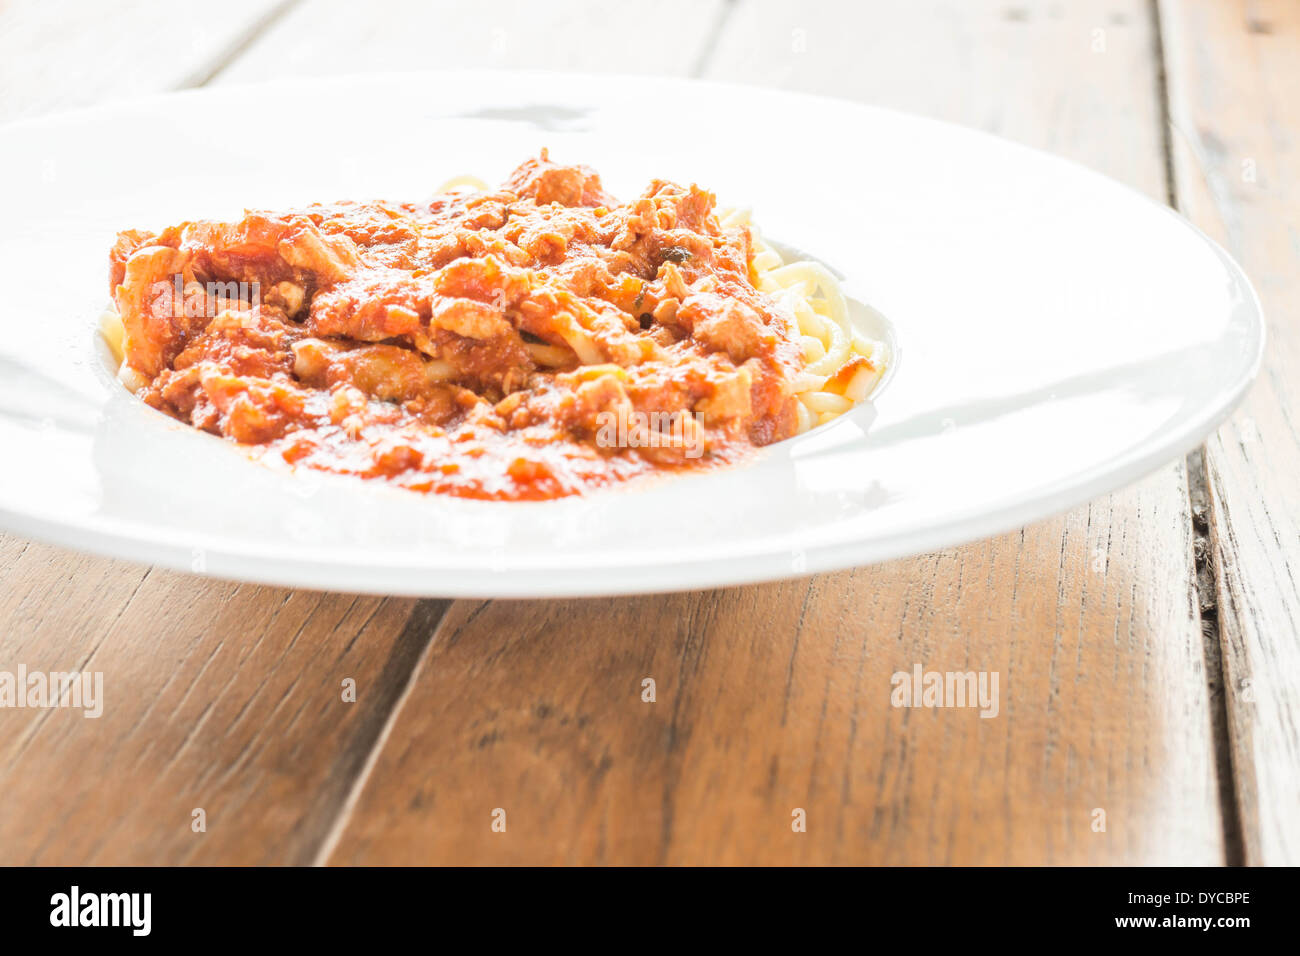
x,y
476,345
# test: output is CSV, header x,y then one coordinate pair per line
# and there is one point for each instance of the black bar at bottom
x,y
334,906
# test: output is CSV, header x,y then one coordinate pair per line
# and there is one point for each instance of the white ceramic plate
x,y
1058,335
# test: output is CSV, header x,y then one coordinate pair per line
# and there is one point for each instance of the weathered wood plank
x,y
219,696
777,697
216,696
57,54
326,37
1234,89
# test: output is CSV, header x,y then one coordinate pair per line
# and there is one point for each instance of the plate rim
x,y
295,567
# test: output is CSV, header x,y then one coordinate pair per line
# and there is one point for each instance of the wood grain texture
x,y
777,697
328,37
219,696
58,54
1234,89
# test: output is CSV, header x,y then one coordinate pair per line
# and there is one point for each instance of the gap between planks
x,y
720,21
434,612
1204,577
428,613
238,45
428,616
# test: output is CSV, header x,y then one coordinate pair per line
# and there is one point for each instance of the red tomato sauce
x,y
529,342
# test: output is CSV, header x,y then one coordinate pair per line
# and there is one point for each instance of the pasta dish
x,y
531,341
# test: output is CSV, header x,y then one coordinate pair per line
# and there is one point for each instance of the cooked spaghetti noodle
x,y
842,366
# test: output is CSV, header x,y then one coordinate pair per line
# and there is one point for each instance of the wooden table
x,y
1147,643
